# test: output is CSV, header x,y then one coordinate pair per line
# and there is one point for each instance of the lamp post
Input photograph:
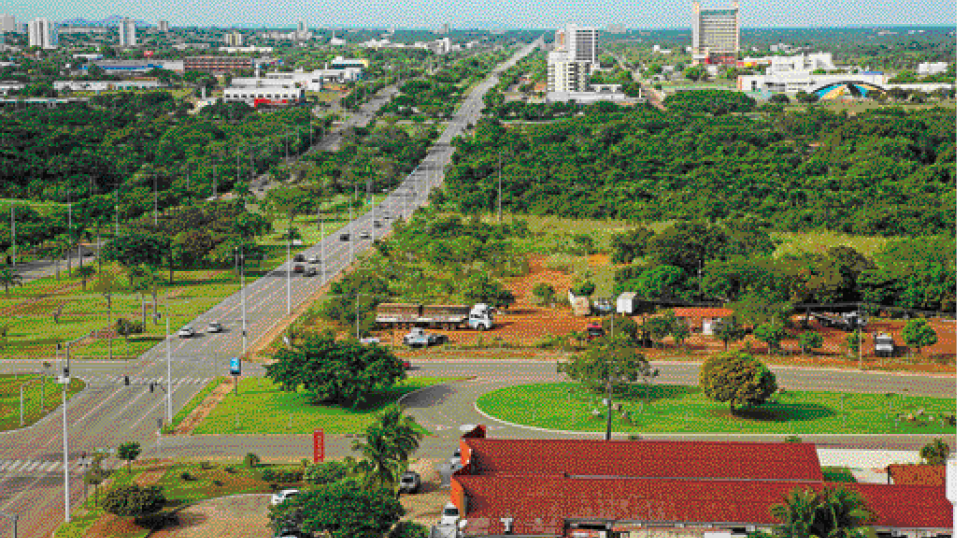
x,y
242,292
65,380
288,274
169,371
11,517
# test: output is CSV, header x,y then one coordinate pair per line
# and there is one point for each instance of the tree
x,y
85,272
806,98
481,288
695,73
127,328
771,334
409,529
9,277
95,476
137,248
107,286
918,333
134,501
342,372
854,341
810,340
780,98
129,452
680,332
729,331
545,293
342,510
584,288
737,378
386,446
326,472
935,452
830,512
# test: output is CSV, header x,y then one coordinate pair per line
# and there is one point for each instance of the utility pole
x,y
13,232
500,187
66,451
242,292
288,274
352,240
169,371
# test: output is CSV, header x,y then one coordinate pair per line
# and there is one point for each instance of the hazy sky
x,y
522,13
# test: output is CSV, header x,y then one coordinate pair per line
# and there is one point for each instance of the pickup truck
x,y
419,338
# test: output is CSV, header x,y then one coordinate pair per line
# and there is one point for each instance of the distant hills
x,y
110,22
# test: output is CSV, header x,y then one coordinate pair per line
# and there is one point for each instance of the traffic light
x,y
126,380
151,387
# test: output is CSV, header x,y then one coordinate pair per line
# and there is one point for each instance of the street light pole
x,y
169,373
288,275
242,292
66,458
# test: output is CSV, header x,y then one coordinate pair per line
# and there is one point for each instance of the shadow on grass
x,y
656,392
777,413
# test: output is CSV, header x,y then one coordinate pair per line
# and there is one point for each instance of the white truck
x,y
479,316
884,345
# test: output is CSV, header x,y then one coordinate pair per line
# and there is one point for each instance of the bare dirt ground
x,y
239,516
425,507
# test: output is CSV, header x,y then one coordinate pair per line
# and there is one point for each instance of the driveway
x,y
239,516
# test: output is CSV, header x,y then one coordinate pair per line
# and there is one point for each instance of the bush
x,y
205,465
251,460
185,476
282,476
408,529
134,501
230,469
326,473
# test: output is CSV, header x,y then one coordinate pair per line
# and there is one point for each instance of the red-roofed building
x,y
703,319
625,489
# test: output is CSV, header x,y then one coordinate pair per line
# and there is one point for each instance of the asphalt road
x,y
110,413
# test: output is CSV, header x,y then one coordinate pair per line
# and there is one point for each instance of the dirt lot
x,y
239,516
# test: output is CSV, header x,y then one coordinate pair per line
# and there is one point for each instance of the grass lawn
x,y
678,408
194,402
262,408
35,391
819,242
838,474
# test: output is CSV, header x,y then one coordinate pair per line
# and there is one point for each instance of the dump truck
x,y
479,316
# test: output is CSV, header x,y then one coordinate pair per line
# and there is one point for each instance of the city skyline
x,y
517,14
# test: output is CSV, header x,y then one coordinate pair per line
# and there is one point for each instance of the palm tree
x,y
378,466
9,277
138,277
85,272
828,513
401,430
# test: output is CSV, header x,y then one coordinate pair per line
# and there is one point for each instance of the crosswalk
x,y
119,380
35,467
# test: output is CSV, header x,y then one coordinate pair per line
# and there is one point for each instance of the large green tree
x,y
341,372
830,512
134,500
738,379
342,509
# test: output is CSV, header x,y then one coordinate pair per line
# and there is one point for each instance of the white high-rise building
x,y
127,29
234,39
8,23
163,26
581,42
42,34
574,57
715,35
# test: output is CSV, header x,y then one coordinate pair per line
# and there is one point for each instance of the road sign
x,y
318,446
235,366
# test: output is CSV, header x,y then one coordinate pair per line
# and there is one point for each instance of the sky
x,y
515,13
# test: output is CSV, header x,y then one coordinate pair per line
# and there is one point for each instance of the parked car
x,y
214,327
298,258
343,237
283,495
299,268
450,515
186,332
376,224
289,533
369,340
311,272
456,458
364,235
313,259
407,365
410,482
417,337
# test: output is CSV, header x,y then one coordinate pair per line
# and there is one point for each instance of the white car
x,y
313,259
214,327
283,495
450,515
186,332
456,458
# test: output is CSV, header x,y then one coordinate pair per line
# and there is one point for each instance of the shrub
x,y
408,529
230,469
792,439
326,473
251,460
205,465
185,476
134,501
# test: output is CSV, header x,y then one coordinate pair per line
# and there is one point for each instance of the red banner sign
x,y
318,446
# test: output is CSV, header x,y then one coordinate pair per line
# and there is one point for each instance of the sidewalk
x,y
868,466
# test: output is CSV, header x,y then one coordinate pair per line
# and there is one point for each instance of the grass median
x,y
685,409
41,395
262,408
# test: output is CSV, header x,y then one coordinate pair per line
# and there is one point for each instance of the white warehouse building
x,y
793,83
264,91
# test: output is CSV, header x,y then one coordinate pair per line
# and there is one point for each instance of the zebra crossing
x,y
120,380
35,467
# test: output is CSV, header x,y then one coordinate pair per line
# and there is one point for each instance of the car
x,y
289,533
343,237
409,482
186,332
450,515
407,365
298,268
282,496
298,258
311,272
456,458
313,259
214,327
363,235
376,224
387,216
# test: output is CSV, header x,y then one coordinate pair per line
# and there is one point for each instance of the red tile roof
x,y
918,474
695,312
733,460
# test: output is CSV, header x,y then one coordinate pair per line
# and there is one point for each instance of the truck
x,y
884,345
479,316
848,321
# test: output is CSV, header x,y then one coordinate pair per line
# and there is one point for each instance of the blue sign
x,y
235,366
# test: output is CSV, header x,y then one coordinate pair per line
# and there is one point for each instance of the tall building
x,y
715,35
42,34
301,27
574,57
163,26
234,39
8,23
127,30
581,42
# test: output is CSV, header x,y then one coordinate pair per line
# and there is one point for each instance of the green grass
x,y
678,409
819,242
35,391
838,474
262,408
196,400
86,516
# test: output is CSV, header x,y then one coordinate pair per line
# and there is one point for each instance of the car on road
x,y
410,482
419,338
282,496
456,458
289,533
299,268
186,332
376,224
407,365
387,216
298,258
450,515
311,272
343,237
313,259
214,327
363,235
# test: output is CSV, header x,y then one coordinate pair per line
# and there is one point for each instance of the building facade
x,y
581,42
566,75
268,92
715,35
8,23
42,34
163,26
234,39
217,64
127,31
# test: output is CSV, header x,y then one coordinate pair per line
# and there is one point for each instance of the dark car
x,y
410,482
311,272
298,268
343,237
376,224
298,258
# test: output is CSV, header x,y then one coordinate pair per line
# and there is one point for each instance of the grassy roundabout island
x,y
661,408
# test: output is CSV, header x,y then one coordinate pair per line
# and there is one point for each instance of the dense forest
x,y
882,172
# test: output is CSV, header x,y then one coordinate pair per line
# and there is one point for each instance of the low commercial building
x,y
246,50
809,82
264,91
344,63
931,68
125,66
594,94
627,489
106,85
217,64
703,319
